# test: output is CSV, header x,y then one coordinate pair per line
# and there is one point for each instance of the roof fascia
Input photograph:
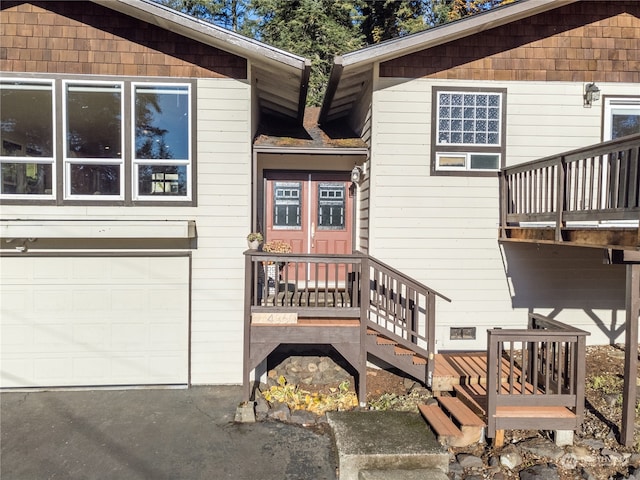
x,y
205,32
430,38
310,150
452,31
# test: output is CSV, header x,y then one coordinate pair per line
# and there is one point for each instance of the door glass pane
x,y
287,198
94,121
331,206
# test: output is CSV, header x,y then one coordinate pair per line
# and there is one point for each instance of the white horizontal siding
x,y
443,230
222,218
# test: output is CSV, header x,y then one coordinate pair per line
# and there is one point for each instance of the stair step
x,y
474,397
413,474
385,341
403,351
447,432
463,414
457,426
419,360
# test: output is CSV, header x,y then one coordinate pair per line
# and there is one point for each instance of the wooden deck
x,y
468,368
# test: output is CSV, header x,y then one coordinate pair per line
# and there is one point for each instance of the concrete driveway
x,y
152,434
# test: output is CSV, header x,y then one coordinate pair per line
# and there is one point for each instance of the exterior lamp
x,y
591,94
356,174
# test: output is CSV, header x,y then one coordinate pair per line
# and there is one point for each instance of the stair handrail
x,y
401,308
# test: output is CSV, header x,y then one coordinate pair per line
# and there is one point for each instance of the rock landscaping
x,y
526,455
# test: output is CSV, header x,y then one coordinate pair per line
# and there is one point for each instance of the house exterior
x,y
127,190
443,110
140,147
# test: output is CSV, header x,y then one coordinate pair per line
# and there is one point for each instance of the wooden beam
x,y
631,355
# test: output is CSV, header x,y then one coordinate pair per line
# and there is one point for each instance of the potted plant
x,y
254,239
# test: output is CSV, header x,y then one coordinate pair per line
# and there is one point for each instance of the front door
x,y
311,211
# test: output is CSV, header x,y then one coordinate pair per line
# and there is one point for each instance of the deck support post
x,y
563,438
631,354
365,288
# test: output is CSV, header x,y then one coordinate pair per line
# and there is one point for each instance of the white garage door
x,y
87,321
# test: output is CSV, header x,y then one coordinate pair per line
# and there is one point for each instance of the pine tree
x,y
315,29
236,15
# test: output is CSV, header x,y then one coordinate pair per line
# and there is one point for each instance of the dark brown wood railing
x,y
596,183
544,388
354,286
402,309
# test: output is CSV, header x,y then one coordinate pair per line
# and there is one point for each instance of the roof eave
x,y
205,32
399,47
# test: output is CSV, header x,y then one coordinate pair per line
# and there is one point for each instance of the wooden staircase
x,y
457,422
399,356
454,424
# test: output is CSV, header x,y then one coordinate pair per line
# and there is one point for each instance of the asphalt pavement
x,y
152,434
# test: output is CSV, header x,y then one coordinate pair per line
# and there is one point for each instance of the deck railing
x,y
595,183
402,309
354,286
546,369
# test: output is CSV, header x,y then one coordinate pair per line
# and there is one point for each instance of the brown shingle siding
x,y
64,32
584,41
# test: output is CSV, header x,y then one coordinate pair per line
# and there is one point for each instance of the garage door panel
x,y
73,328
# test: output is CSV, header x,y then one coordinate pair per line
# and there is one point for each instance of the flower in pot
x,y
254,239
277,246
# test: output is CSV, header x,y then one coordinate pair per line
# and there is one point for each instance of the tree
x,y
235,15
387,19
455,9
315,29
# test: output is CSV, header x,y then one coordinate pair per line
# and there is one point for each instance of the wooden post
x,y
246,369
364,294
631,354
560,197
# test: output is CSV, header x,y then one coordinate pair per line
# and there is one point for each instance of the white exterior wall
x,y
443,230
222,218
222,222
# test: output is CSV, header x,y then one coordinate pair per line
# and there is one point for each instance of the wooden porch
x,y
588,197
364,308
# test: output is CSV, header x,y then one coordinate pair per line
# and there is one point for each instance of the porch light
x,y
356,174
591,94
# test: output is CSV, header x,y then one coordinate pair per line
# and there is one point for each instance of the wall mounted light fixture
x,y
356,174
591,94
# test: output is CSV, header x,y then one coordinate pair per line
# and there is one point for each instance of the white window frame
x,y
465,150
135,162
466,156
68,161
37,160
617,103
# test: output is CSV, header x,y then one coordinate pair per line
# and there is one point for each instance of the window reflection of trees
x,y
151,143
26,128
94,131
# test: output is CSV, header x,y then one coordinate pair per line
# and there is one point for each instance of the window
x,y
287,198
331,205
468,130
162,146
93,140
120,141
27,139
621,117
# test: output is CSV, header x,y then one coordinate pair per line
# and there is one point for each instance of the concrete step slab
x,y
418,474
384,441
